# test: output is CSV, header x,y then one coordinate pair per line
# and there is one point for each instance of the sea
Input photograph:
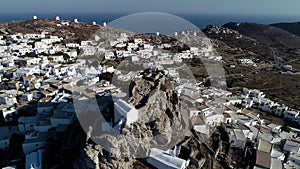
x,y
200,20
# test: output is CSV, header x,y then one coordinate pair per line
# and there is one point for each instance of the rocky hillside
x,y
232,44
258,42
285,42
73,32
293,28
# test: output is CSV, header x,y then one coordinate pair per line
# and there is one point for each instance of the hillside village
x,y
42,77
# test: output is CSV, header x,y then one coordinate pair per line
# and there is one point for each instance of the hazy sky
x,y
260,7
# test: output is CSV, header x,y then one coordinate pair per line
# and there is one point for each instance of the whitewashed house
x,y
200,125
214,119
277,154
3,49
166,160
124,110
134,58
61,117
291,115
132,46
2,42
109,55
27,97
24,50
237,138
34,141
58,58
89,51
253,93
45,108
280,110
245,62
85,43
72,45
43,126
41,45
34,160
27,124
292,145
34,36
51,39
293,161
8,99
14,38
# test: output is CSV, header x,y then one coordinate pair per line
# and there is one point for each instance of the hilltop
x,y
263,44
267,34
293,27
70,31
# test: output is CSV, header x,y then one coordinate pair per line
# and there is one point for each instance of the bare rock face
x,y
161,114
94,157
160,124
141,92
88,159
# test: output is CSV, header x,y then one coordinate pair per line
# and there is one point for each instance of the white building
x,y
245,61
7,112
34,141
7,99
293,161
43,126
287,67
51,39
34,160
65,23
10,167
14,38
253,93
72,45
200,126
34,36
109,55
58,58
237,138
89,51
214,119
27,97
27,124
292,146
85,43
125,110
166,160
291,116
60,117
